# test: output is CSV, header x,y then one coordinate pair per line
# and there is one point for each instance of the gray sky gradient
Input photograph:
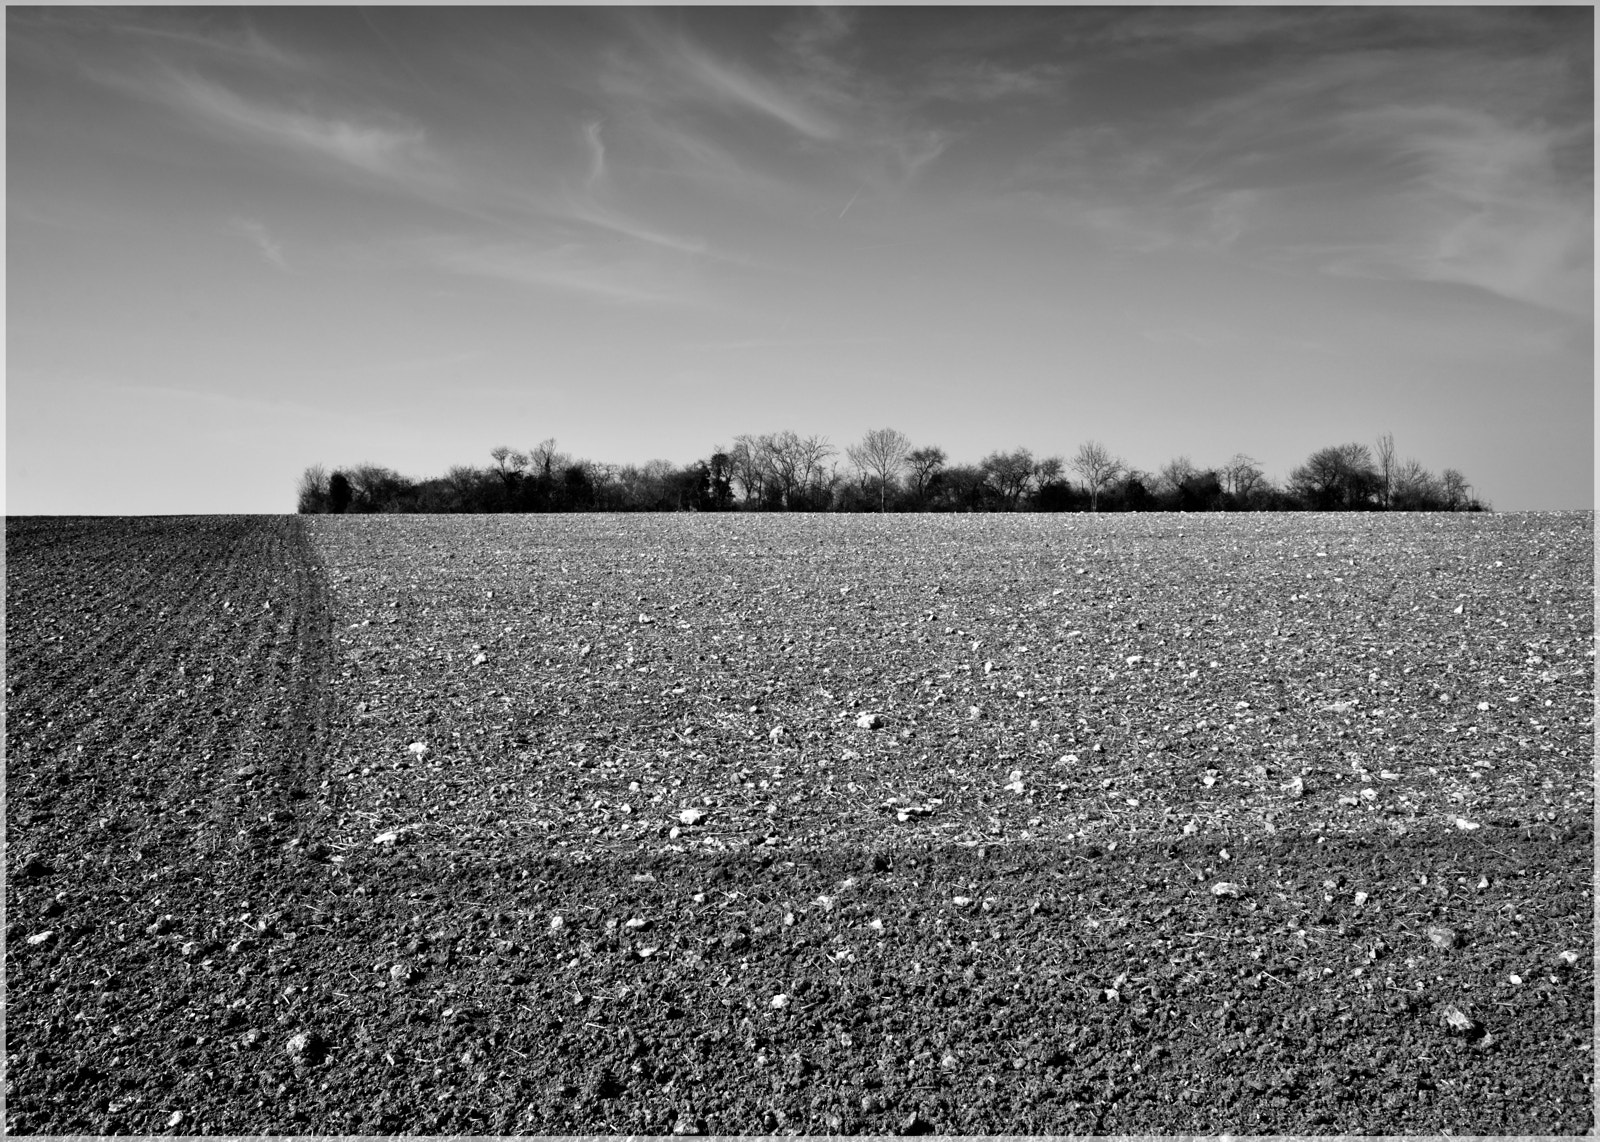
x,y
242,241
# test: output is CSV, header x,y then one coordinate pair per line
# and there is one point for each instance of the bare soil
x,y
799,826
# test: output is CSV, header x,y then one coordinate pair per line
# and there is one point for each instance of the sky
x,y
242,241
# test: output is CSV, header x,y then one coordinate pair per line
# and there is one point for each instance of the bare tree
x,y
1051,491
1340,476
461,486
1098,468
1242,476
313,494
811,454
507,462
630,487
1174,472
925,464
545,460
785,460
508,465
374,488
880,456
822,493
746,469
1415,488
781,467
1362,471
1457,492
1386,465
1319,481
1010,474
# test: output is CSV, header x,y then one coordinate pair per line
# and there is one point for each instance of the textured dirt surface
x,y
761,826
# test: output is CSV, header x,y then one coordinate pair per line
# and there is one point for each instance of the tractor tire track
x,y
162,775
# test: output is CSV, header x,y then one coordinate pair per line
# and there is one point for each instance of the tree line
x,y
885,472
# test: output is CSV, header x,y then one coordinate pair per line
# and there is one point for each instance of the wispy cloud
x,y
1138,31
838,119
247,410
599,203
917,147
392,149
736,84
220,74
1430,165
570,268
881,116
242,42
524,208
813,40
1487,203
594,214
265,244
227,37
656,142
597,153
667,67
967,81
381,149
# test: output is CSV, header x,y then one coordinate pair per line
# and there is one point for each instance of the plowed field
x,y
800,825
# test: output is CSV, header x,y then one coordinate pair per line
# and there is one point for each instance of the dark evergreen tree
x,y
339,493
